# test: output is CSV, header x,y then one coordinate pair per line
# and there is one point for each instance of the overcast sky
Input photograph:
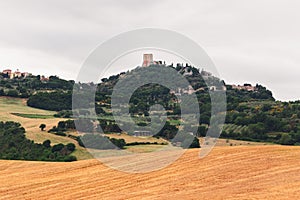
x,y
253,41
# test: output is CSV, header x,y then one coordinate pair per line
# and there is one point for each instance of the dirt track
x,y
242,172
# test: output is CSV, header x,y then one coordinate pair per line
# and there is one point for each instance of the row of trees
x,y
56,101
24,87
97,141
89,139
32,82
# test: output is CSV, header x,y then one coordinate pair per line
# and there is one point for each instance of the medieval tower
x,y
147,60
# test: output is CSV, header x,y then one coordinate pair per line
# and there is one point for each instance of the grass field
x,y
31,125
30,119
231,142
13,109
144,148
33,116
252,172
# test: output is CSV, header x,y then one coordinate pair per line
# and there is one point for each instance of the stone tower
x,y
147,60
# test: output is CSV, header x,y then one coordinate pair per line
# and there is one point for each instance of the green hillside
x,y
252,114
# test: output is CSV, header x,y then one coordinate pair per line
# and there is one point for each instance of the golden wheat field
x,y
233,170
239,172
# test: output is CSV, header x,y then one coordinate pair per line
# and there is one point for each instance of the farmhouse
x,y
142,133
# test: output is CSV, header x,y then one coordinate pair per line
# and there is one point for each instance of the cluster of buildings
x,y
205,74
148,60
8,73
180,91
17,74
44,78
185,71
247,87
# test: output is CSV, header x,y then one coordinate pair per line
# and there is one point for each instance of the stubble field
x,y
237,172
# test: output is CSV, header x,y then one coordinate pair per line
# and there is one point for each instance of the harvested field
x,y
237,172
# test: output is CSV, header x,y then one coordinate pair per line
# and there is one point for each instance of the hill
x,y
252,113
264,172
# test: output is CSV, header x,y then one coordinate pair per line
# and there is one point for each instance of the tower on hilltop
x,y
147,60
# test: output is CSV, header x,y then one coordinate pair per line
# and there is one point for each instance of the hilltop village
x,y
186,71
10,74
148,60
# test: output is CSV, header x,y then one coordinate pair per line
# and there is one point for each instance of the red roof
x,y
6,70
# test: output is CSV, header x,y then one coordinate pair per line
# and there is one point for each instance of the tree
x,y
71,147
118,142
258,131
47,143
187,142
201,131
42,127
61,125
195,143
95,141
57,147
13,93
55,101
285,139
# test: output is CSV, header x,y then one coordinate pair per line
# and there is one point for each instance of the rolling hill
x,y
264,172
